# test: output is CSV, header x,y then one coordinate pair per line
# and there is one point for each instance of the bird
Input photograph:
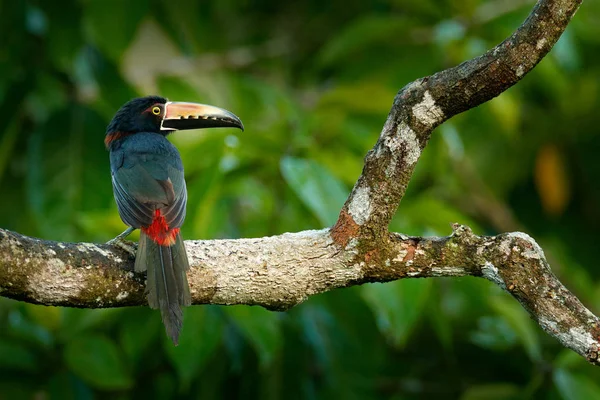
x,y
150,191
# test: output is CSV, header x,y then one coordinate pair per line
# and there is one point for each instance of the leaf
x,y
320,191
96,360
200,338
139,331
397,306
494,333
552,180
66,386
492,391
15,356
507,110
47,317
518,319
111,24
76,322
359,34
572,386
568,359
429,214
366,97
27,331
176,88
64,32
261,328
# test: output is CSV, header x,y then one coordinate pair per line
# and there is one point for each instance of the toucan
x,y
150,192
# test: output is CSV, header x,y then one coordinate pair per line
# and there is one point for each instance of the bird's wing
x,y
145,182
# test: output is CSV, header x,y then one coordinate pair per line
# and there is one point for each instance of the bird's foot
x,y
121,243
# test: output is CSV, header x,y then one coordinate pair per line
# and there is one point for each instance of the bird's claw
x,y
121,243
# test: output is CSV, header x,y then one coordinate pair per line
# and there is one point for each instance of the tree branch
x,y
282,271
427,102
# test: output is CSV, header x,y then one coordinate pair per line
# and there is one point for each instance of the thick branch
x,y
280,272
424,104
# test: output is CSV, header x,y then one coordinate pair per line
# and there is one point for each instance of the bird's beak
x,y
179,116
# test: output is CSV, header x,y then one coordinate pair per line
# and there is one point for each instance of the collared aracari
x,y
149,188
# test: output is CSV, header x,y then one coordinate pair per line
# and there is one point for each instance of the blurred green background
x,y
313,82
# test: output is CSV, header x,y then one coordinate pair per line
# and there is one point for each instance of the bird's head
x,y
156,114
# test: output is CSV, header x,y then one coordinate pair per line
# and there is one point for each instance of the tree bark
x,y
280,272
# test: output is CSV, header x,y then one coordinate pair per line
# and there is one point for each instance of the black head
x,y
156,114
143,114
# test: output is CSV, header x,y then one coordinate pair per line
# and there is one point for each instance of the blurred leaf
x,y
507,110
48,317
97,361
139,332
77,321
568,359
566,52
448,31
66,386
320,191
64,32
361,98
552,180
261,328
360,33
200,338
493,391
111,24
176,88
494,333
398,306
428,214
574,386
27,331
438,317
164,386
15,356
520,322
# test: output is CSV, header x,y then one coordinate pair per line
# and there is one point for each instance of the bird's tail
x,y
167,286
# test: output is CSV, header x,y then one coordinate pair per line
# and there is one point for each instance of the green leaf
x,y
17,357
139,331
397,306
261,328
368,97
176,89
66,386
359,34
320,191
200,338
96,360
112,24
430,214
494,333
77,321
568,359
572,386
492,391
518,319
64,32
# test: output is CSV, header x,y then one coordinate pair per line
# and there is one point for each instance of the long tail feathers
x,y
167,286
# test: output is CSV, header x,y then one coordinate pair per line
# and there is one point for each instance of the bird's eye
x,y
156,110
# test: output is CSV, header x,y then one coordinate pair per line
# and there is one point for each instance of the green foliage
x,y
96,360
397,307
313,83
320,191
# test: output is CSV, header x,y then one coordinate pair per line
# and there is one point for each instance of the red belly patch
x,y
159,230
